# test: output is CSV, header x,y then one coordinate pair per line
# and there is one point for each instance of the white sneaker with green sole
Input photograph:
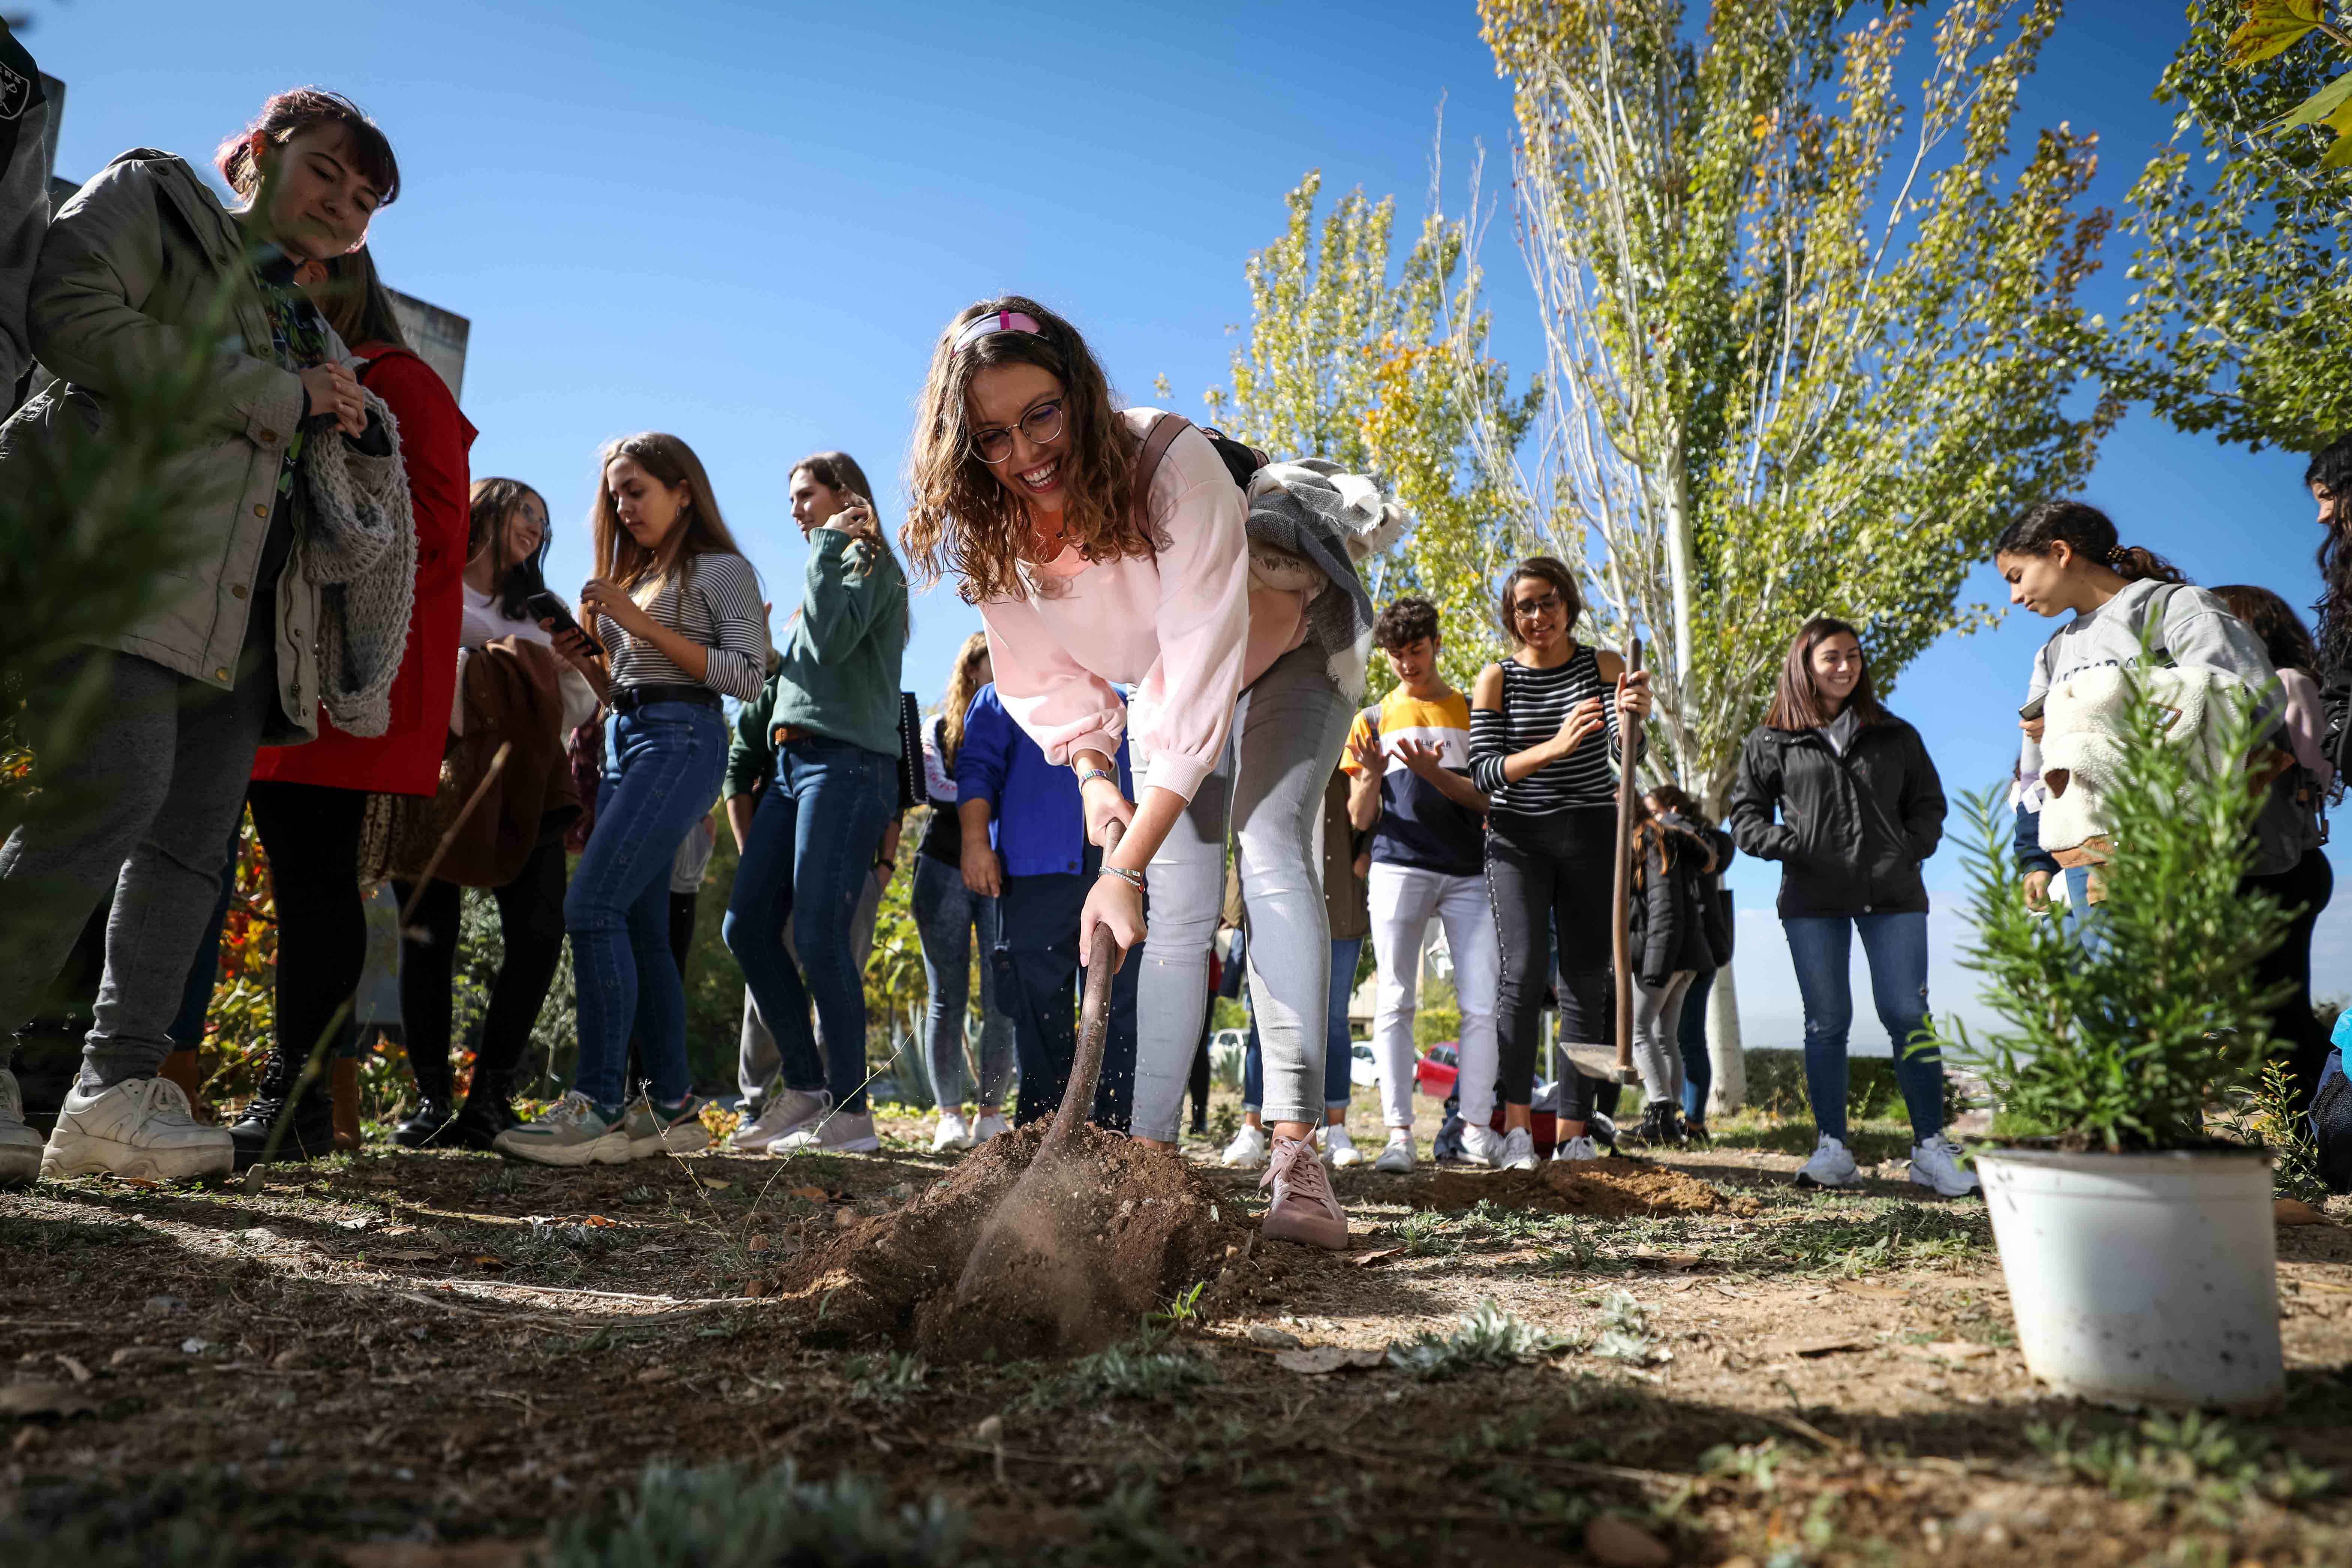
x,y
655,1130
571,1131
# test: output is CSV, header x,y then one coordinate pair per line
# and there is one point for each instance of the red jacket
x,y
406,758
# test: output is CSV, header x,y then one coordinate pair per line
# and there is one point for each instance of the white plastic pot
x,y
2141,1279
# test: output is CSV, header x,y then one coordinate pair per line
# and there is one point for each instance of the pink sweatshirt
x,y
1181,626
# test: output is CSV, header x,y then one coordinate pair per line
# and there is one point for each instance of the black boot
x,y
309,1133
486,1114
425,1126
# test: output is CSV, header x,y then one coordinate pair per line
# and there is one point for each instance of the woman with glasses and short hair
x,y
1543,741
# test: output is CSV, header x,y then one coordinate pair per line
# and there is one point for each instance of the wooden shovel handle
x,y
1620,931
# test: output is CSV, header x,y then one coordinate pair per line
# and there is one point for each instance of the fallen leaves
x,y
1378,1255
1827,1345
1322,1361
1949,1351
42,1398
2294,1211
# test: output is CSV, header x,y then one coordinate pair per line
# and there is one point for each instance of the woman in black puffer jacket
x,y
1859,806
1669,947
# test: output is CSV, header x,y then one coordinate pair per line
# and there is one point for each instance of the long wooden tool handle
x,y
1621,932
1094,1024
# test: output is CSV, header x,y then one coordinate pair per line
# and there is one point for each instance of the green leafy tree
x,y
2242,236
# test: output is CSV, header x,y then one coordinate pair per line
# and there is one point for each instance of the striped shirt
x,y
712,599
1536,702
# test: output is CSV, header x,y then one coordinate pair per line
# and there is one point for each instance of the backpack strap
x,y
1165,428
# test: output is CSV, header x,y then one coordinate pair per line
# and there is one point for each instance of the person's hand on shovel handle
x,y
1113,901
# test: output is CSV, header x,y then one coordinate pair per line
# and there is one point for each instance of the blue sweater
x,y
1039,824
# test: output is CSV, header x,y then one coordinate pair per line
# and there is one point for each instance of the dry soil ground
x,y
441,1359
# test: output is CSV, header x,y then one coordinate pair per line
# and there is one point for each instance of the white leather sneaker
x,y
1339,1151
1248,1150
1581,1147
1482,1146
1518,1150
952,1135
1937,1163
20,1146
990,1124
1830,1166
1397,1159
140,1127
787,1111
837,1133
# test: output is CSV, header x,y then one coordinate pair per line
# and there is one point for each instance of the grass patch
x,y
719,1518
2195,1465
1849,1245
1141,1368
1488,1336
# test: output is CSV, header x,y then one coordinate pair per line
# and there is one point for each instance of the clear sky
x,y
744,223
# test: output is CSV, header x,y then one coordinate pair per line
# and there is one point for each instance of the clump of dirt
x,y
1613,1188
1122,1230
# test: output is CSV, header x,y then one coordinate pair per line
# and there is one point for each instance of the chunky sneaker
x,y
571,1131
1397,1158
1304,1208
666,1129
140,1127
1830,1166
20,1146
1339,1151
1518,1150
953,1134
1936,1163
992,1123
838,1133
787,1111
1248,1150
1483,1146
1581,1147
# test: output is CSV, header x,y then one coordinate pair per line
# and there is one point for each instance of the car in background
x,y
1364,1068
1434,1073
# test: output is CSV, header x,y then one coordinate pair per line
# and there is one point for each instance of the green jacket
x,y
838,671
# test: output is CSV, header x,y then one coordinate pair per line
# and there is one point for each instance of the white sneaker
x,y
1830,1166
990,1124
1248,1150
140,1127
1397,1158
1482,1146
569,1133
787,1111
838,1133
1581,1147
1518,1151
1339,1150
1936,1163
952,1134
20,1146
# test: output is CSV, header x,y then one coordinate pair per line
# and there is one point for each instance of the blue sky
x,y
744,223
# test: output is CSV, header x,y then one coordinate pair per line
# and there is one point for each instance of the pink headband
x,y
994,322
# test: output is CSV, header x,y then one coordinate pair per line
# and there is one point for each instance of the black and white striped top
x,y
712,599
1536,702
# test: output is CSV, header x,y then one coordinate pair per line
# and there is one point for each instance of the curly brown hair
x,y
960,517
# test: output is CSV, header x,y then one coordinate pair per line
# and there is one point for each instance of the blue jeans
x,y
664,764
1896,946
811,850
1699,1069
1037,978
2090,929
1339,1051
946,915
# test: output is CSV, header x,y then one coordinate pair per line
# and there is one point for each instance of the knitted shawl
x,y
358,549
1309,523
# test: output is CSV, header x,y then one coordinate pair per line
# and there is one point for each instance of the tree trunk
x,y
1723,1046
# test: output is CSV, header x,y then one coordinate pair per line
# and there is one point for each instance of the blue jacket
x,y
1039,824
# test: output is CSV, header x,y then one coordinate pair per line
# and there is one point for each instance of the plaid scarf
x,y
298,337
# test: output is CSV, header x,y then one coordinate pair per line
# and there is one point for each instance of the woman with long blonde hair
x,y
677,619
949,912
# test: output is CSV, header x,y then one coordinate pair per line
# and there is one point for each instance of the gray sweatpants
x,y
150,793
1288,734
1658,1045
758,1064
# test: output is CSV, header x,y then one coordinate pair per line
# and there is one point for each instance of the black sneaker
x,y
424,1125
309,1133
479,1124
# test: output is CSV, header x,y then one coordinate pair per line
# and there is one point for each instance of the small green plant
x,y
2122,1042
2266,1114
1423,1232
885,1379
1183,1311
1141,1368
1488,1336
2192,1464
1625,1331
717,1518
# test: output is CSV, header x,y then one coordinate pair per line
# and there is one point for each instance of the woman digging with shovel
x,y
1105,546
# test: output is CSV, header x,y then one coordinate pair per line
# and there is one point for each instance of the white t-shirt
x,y
483,621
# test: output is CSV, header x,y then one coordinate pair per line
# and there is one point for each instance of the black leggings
x,y
312,835
1556,872
2298,1042
530,916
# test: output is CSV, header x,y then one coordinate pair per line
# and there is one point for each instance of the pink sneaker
x,y
1304,1207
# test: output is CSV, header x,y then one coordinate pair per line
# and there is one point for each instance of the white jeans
x,y
1403,898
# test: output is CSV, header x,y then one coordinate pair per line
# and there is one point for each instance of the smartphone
x,y
2032,710
546,606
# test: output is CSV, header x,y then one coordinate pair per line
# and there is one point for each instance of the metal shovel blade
x,y
1598,1062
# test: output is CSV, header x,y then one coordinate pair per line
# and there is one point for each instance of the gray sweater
x,y
24,112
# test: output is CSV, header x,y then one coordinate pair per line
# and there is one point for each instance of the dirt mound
x,y
1084,1262
1608,1189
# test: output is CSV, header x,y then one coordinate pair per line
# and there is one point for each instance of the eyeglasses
x,y
1531,609
1041,425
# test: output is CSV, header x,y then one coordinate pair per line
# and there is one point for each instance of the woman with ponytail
x,y
2329,479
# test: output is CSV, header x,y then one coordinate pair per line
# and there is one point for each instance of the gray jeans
x,y
1658,1045
154,788
947,913
759,1065
1288,734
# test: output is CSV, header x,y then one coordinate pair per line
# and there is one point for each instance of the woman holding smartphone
x,y
811,845
676,610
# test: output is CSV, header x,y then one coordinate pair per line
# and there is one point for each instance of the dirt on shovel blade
x,y
1125,1230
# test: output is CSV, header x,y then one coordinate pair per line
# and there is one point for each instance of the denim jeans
x,y
1339,1049
760,1068
810,848
947,913
1699,1067
1038,977
1821,947
664,763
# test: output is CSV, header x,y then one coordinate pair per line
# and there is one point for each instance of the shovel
x,y
1614,1064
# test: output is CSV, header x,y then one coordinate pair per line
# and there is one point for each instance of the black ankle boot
x,y
424,1127
309,1133
486,1114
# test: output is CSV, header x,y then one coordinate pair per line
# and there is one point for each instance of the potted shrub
x,y
2139,1250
